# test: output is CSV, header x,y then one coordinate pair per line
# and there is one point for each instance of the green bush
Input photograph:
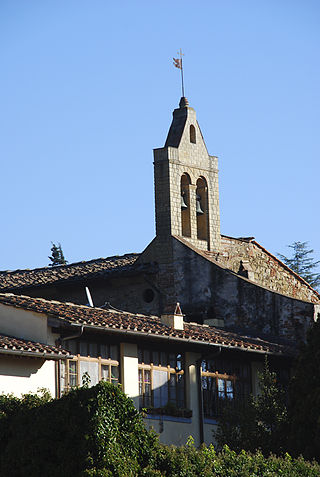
x,y
89,431
97,432
188,461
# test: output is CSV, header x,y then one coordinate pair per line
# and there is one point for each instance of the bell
x,y
198,206
183,204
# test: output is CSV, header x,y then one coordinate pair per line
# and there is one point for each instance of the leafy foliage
x,y
303,263
97,432
187,461
258,423
57,257
304,398
88,430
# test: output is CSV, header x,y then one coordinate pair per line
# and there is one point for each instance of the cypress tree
x,y
57,257
302,263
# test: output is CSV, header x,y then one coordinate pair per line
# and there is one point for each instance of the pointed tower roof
x,y
178,123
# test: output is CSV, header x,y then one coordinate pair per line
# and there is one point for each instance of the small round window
x,y
148,295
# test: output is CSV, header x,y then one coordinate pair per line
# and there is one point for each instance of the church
x,y
182,326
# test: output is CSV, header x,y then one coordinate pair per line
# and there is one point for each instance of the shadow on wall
x,y
20,367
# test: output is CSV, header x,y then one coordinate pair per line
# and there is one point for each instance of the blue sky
x,y
87,91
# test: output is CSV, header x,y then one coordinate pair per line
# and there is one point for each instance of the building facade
x,y
239,304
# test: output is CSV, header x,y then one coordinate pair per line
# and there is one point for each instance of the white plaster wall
x,y
208,433
171,432
129,365
23,324
23,375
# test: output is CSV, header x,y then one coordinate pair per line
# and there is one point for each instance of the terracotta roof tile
x,y
136,323
11,280
9,344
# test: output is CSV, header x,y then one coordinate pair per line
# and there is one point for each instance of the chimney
x,y
173,320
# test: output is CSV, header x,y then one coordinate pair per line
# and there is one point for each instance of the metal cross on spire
x,y
178,64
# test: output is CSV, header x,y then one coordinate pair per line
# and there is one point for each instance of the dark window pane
x,y
114,374
146,357
155,358
83,348
164,359
104,351
93,350
172,360
114,352
71,345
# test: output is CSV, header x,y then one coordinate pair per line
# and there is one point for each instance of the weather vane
x,y
178,64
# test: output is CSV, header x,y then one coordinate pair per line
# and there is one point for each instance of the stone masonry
x,y
263,268
181,156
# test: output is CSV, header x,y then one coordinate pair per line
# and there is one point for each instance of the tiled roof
x,y
12,280
135,323
9,344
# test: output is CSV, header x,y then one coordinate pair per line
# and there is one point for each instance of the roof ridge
x,y
67,265
77,305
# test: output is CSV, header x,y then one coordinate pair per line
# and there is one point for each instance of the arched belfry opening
x,y
202,209
193,138
185,205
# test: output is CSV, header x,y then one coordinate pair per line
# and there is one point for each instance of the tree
x,y
260,422
302,263
304,398
57,257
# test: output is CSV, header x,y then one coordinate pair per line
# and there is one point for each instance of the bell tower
x,y
186,184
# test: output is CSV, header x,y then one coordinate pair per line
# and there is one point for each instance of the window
x,y
161,379
193,134
148,295
100,361
223,380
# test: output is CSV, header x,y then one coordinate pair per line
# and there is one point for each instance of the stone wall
x,y
221,297
250,259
